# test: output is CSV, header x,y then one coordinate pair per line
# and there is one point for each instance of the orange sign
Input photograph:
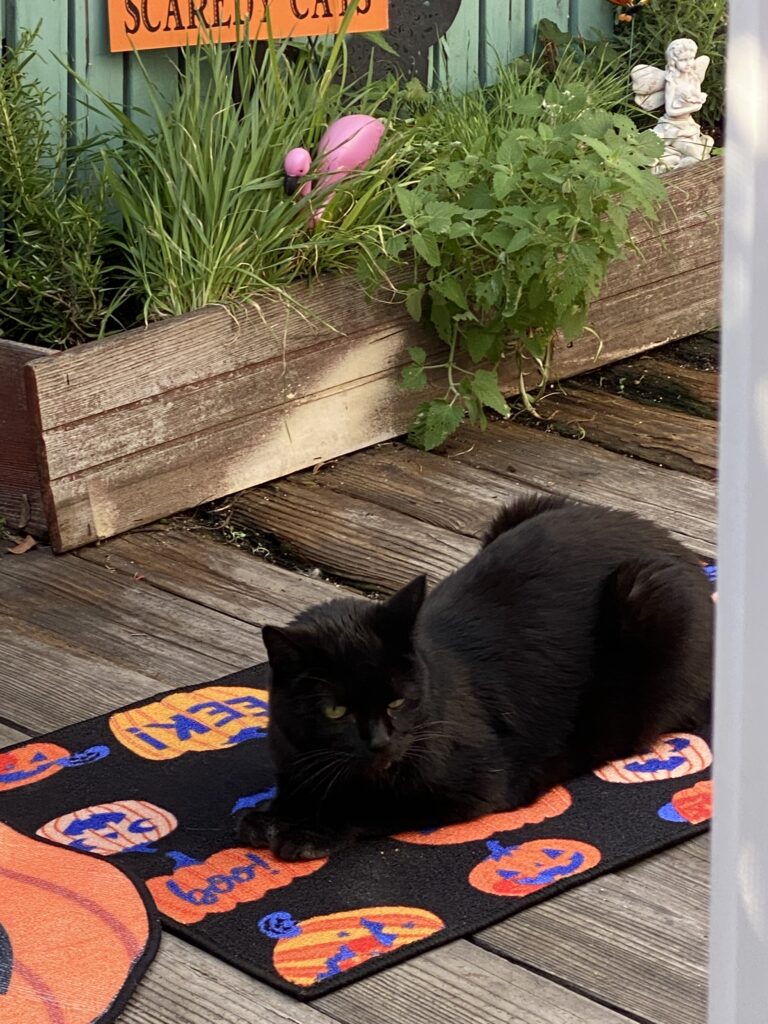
x,y
152,24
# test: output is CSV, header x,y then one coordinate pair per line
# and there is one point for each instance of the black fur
x,y
575,636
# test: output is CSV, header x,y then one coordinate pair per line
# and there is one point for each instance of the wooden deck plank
x,y
120,619
422,485
185,985
636,939
461,983
47,682
356,540
683,504
9,735
663,437
213,575
373,542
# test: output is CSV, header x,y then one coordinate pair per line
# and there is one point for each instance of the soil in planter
x,y
672,376
216,519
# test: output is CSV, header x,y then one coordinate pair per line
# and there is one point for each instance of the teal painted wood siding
x,y
487,31
74,33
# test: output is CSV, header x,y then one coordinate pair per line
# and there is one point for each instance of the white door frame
x,y
739,923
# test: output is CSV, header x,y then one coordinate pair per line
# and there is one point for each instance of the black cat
x,y
577,635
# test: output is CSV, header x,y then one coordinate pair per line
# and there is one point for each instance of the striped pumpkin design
x,y
319,948
192,721
110,828
671,757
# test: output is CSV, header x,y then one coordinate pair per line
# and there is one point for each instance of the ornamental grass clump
x,y
205,218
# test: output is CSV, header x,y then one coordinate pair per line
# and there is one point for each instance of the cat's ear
x,y
283,648
402,608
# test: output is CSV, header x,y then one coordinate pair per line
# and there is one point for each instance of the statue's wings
x,y
648,86
701,65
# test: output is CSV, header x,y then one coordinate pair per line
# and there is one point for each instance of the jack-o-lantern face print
x,y
37,761
30,763
671,757
550,805
196,721
107,829
315,950
524,869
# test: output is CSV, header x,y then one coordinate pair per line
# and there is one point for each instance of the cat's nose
x,y
379,738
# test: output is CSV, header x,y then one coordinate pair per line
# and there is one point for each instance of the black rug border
x,y
160,921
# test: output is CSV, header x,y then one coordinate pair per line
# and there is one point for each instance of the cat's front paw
x,y
256,828
294,842
287,840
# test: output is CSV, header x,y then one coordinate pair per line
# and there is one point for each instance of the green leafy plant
x,y
52,229
204,215
524,199
654,27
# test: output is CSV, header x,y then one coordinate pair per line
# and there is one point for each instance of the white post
x,y
739,930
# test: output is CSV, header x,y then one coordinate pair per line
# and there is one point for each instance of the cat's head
x,y
344,679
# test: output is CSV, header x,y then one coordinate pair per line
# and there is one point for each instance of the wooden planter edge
x,y
124,431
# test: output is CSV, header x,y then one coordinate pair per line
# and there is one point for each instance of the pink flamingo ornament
x,y
346,145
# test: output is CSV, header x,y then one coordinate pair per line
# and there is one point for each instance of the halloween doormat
x,y
155,787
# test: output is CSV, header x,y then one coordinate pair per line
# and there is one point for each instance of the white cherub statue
x,y
678,90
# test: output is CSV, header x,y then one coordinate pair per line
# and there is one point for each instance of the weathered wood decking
x,y
166,606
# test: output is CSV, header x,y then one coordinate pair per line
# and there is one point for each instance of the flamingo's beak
x,y
290,183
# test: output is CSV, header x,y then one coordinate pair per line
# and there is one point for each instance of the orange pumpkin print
x,y
30,763
73,930
315,950
224,880
671,757
193,721
521,870
693,805
111,828
550,805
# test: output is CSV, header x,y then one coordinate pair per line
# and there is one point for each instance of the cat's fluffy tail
x,y
524,508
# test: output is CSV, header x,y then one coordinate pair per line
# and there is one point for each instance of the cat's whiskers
x,y
339,776
313,755
314,777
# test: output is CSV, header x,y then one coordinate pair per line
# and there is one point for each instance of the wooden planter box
x,y
102,438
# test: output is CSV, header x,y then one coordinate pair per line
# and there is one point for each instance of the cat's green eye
x,y
334,711
395,705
